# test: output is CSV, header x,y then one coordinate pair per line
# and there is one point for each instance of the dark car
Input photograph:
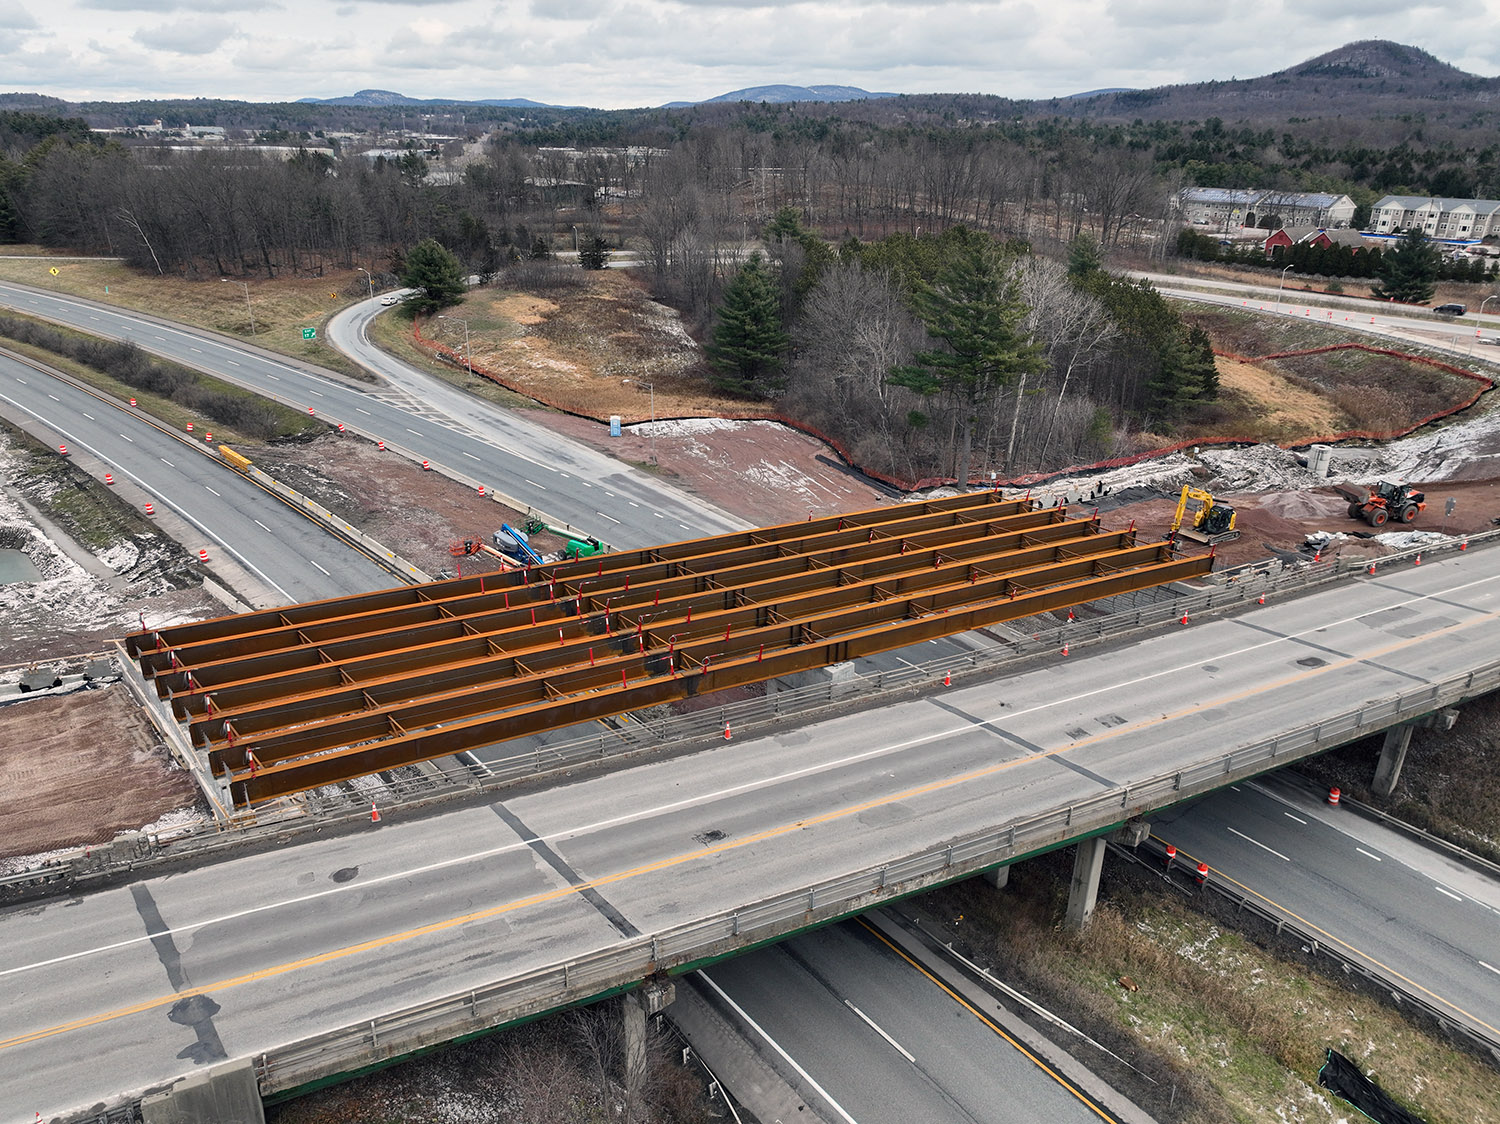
x,y
1451,309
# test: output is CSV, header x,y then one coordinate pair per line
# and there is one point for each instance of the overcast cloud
x,y
618,53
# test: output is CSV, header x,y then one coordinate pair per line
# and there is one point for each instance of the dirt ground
x,y
107,784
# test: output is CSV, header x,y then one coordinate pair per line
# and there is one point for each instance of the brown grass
x,y
1243,1029
1272,406
282,307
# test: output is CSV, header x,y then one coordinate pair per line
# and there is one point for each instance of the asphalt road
x,y
276,947
288,552
567,481
884,1042
1403,912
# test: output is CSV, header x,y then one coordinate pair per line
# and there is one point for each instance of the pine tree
x,y
974,311
431,268
748,340
594,253
1409,270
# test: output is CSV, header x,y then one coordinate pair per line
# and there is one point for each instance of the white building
x,y
1227,207
1437,217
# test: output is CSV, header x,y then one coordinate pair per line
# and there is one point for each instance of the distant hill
x,y
1370,78
390,97
781,95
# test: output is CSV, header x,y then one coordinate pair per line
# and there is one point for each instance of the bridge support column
x,y
999,877
1392,757
652,999
1088,861
223,1094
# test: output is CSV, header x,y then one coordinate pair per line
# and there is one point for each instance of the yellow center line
x,y
1331,939
985,1019
683,858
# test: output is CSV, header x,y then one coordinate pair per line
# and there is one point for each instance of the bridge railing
x,y
414,788
622,965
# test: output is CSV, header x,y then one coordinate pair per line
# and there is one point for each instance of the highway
x,y
1427,925
258,950
286,550
567,481
884,1042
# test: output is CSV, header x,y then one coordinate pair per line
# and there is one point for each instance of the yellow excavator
x,y
1213,523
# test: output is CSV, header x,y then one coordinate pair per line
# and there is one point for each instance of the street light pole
x,y
369,280
1491,297
1279,287
250,311
651,388
468,361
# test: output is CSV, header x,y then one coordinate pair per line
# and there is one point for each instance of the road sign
x,y
54,271
309,333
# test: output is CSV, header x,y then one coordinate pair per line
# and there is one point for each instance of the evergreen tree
x,y
540,251
1409,270
430,268
1084,257
748,340
974,311
594,253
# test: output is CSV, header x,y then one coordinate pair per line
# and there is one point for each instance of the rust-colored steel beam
x,y
565,639
301,774
329,718
265,635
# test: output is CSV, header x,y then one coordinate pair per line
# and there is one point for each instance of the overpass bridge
x,y
310,961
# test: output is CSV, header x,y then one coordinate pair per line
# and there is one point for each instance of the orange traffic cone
x,y
1202,873
374,813
150,510
1417,561
1333,796
727,734
1184,618
109,477
947,679
1065,647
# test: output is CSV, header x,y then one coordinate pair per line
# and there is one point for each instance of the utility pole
x,y
468,362
250,311
370,280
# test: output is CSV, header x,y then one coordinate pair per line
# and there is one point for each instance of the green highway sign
x,y
309,333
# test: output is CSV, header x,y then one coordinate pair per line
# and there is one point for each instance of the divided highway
x,y
131,986
568,481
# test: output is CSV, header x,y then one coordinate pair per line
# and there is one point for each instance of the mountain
x,y
1371,78
781,95
390,97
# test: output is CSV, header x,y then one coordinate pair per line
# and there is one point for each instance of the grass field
x,y
281,308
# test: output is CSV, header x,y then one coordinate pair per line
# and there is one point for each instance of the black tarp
x,y
1343,1077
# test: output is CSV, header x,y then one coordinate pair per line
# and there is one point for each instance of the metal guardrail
x,y
413,789
583,977
1317,944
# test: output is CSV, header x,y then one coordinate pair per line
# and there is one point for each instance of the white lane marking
x,y
1234,788
320,567
608,493
211,490
565,476
23,382
1491,967
130,439
1371,854
1259,844
471,456
534,484
231,362
585,483
880,1030
275,378
54,398
1445,890
166,462
791,1061
195,351
162,338
319,393
410,430
95,319
684,526
261,525
1299,819
611,518
658,514
365,412
632,503
88,415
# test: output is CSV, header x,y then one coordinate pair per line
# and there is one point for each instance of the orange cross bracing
x,y
292,698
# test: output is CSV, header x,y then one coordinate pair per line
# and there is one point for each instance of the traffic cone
x,y
947,679
1262,599
109,478
1202,875
190,427
374,813
1071,617
1065,647
1417,561
426,467
132,401
341,427
208,438
1333,797
149,509
727,734
1184,618
1317,556
311,413
1171,854
203,555
481,489
380,445
1464,545
1372,569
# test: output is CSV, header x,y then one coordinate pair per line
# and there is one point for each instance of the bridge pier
x,y
999,877
652,999
1397,741
221,1094
1083,891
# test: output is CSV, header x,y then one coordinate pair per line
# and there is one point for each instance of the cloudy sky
x,y
618,53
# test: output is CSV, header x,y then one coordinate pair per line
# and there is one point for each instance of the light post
x,y
468,362
651,388
1279,287
368,279
1491,297
246,286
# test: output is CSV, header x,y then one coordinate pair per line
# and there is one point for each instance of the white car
x,y
392,299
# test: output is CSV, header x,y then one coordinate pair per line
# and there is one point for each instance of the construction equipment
x,y
1387,500
1213,523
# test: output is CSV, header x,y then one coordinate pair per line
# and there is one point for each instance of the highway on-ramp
x,y
559,477
130,986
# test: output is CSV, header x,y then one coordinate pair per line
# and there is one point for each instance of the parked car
x,y
1451,309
